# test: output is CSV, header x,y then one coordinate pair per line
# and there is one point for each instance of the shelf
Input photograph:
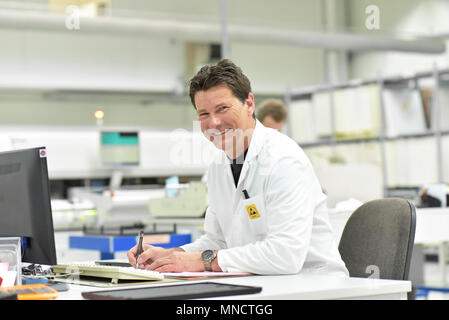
x,y
367,140
335,142
304,92
415,135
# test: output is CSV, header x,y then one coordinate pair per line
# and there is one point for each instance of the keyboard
x,y
114,273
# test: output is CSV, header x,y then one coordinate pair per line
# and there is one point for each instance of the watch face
x,y
207,255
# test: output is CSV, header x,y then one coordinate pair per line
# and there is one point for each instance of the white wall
x,y
273,69
401,18
73,60
32,110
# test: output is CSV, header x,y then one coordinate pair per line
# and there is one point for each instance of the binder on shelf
x,y
357,112
443,104
404,112
301,127
321,102
411,162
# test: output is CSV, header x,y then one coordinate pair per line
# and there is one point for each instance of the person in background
x,y
272,113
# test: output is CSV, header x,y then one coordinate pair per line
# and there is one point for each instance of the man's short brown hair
x,y
225,72
274,108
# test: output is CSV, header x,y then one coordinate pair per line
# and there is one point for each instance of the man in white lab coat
x,y
267,213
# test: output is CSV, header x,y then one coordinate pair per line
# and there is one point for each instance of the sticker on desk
x,y
156,238
252,211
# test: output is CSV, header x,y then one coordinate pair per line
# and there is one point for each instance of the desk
x,y
294,287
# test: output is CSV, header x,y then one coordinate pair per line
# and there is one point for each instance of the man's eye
x,y
222,108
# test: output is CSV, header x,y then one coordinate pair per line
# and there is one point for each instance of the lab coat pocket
x,y
255,216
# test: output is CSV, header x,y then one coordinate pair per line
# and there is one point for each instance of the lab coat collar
x,y
256,142
255,146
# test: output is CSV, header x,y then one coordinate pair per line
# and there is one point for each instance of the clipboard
x,y
174,292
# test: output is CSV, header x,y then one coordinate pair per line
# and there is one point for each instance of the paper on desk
x,y
204,274
8,278
4,267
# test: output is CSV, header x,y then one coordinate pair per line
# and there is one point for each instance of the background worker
x,y
272,113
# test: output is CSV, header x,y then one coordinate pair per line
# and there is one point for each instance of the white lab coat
x,y
290,233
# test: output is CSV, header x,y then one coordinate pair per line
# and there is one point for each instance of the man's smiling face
x,y
225,120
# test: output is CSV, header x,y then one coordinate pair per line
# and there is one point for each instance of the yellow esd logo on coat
x,y
253,213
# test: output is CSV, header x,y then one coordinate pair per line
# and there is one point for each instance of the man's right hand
x,y
148,255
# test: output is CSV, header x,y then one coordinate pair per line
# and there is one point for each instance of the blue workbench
x,y
108,245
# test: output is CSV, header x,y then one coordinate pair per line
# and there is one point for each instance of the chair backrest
x,y
378,238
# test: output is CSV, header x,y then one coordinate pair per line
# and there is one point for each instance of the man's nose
x,y
214,121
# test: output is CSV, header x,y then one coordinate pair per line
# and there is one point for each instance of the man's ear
x,y
250,103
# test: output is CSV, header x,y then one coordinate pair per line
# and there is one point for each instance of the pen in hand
x,y
139,248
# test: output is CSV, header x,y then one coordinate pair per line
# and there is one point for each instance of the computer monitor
x,y
25,208
120,149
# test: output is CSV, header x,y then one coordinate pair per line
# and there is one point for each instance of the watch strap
x,y
207,265
208,262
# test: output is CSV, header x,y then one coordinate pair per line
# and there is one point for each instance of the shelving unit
x,y
435,129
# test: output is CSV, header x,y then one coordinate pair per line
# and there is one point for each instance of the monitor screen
x,y
25,208
120,148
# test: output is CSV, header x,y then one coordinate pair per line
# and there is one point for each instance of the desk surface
x,y
294,287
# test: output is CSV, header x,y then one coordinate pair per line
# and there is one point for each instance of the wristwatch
x,y
207,256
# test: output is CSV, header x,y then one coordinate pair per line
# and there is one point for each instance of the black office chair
x,y
378,238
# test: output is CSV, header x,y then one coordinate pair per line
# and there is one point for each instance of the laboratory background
x,y
103,86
